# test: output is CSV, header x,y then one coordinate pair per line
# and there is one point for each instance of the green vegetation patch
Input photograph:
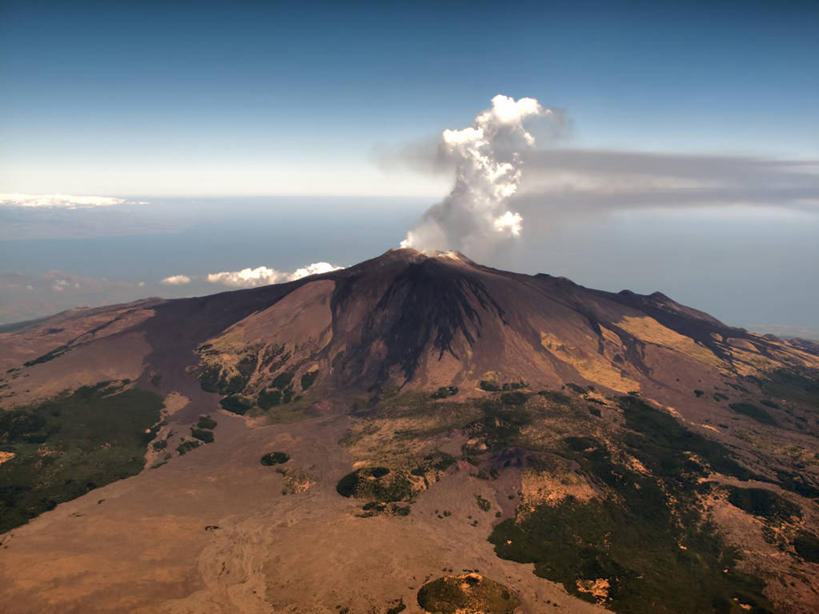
x,y
206,422
186,446
494,386
514,398
282,380
514,385
645,543
467,594
269,398
397,608
432,465
274,458
638,552
666,447
376,484
445,391
50,355
807,546
236,404
213,379
763,502
754,412
553,396
501,423
71,444
203,435
308,378
797,385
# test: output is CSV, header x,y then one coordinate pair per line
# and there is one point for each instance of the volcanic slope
x,y
362,439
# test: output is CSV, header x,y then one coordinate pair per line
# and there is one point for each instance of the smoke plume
x,y
487,158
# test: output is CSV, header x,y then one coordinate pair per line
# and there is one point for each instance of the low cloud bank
x,y
263,276
176,280
63,201
27,296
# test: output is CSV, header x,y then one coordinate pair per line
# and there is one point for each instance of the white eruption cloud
x,y
263,276
487,158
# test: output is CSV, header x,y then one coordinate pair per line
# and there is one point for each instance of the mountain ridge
x,y
412,392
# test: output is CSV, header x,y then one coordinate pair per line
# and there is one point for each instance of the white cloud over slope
x,y
263,276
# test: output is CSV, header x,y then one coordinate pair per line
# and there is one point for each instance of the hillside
x,y
416,430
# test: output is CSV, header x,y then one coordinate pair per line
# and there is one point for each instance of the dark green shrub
x,y
514,398
754,412
555,397
51,355
489,386
763,502
807,546
72,426
466,593
202,435
235,404
247,365
186,446
269,398
799,385
444,392
308,378
501,424
206,422
209,379
235,384
282,380
399,607
274,458
375,483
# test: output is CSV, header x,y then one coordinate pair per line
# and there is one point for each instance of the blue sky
x,y
689,164
145,98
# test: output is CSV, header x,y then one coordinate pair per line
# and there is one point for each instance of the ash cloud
x,y
493,199
572,182
488,171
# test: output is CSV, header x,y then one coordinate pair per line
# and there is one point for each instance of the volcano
x,y
414,433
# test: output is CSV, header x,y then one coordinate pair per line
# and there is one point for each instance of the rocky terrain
x,y
414,433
